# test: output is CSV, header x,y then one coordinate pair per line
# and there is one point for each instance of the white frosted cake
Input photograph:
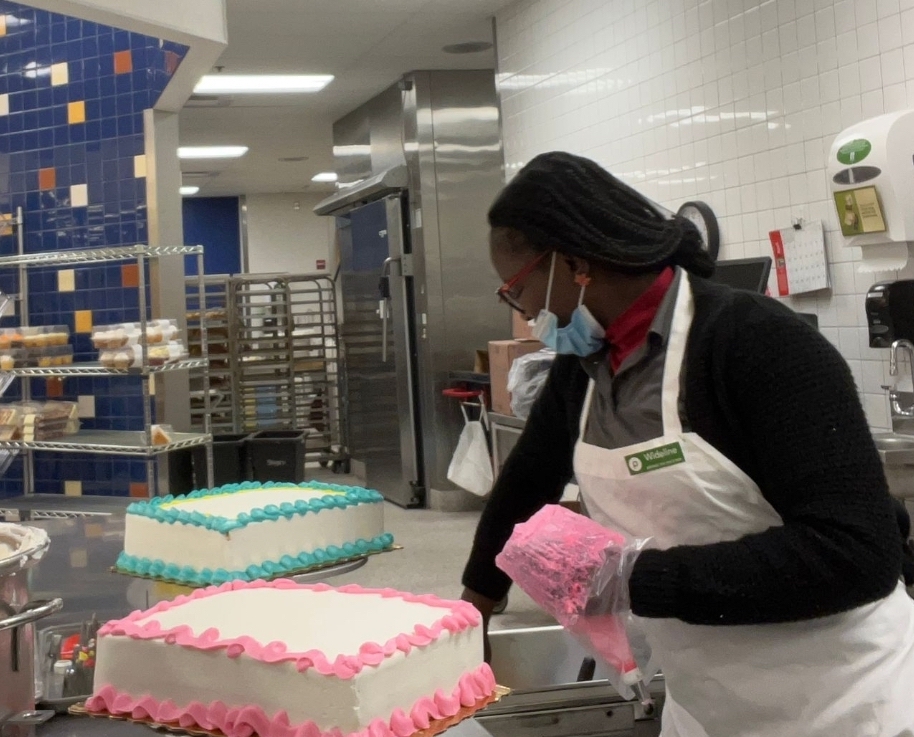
x,y
279,659
249,531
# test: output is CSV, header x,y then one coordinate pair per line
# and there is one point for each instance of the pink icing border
x,y
249,720
461,616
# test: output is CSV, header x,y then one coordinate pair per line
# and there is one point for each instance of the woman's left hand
x,y
609,587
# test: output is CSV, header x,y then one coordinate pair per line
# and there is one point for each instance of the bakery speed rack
x,y
273,359
209,315
130,443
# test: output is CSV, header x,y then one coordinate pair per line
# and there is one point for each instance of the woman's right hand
x,y
486,607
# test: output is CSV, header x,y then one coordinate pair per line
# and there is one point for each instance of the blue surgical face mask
x,y
582,336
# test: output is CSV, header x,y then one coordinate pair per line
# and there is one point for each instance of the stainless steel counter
x,y
88,727
540,664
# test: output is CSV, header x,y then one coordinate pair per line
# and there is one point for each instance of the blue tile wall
x,y
72,97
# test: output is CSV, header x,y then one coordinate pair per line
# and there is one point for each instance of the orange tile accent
x,y
47,178
130,275
2,25
138,490
123,62
172,62
55,387
83,321
76,112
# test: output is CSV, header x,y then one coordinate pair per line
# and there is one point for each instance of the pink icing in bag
x,y
554,557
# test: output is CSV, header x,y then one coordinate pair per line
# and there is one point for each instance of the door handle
x,y
384,304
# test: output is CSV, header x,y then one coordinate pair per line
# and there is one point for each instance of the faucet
x,y
902,402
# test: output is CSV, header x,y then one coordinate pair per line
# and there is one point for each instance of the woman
x,y
772,595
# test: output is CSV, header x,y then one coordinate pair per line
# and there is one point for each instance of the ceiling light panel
x,y
189,190
261,84
211,152
324,176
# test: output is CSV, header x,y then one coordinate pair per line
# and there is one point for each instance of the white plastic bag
x,y
471,465
525,380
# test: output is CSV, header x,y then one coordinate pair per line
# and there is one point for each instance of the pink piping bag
x,y
555,558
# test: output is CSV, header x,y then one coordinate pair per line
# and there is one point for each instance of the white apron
x,y
849,675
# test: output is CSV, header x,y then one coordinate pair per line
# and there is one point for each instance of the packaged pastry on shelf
x,y
30,421
115,336
49,356
162,434
13,358
10,338
159,355
44,336
161,331
121,335
126,357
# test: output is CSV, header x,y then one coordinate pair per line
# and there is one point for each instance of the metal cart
x,y
274,359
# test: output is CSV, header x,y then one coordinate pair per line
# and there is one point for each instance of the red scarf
x,y
630,329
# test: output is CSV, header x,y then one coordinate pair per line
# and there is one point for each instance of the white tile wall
x,y
735,102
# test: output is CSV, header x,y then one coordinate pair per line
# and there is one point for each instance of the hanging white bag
x,y
471,465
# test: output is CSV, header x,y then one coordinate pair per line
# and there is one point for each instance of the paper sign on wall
x,y
800,261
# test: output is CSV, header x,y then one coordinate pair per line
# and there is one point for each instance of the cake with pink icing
x,y
281,659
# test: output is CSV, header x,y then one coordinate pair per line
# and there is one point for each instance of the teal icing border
x,y
349,497
269,569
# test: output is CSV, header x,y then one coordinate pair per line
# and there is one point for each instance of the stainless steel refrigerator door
x,y
379,405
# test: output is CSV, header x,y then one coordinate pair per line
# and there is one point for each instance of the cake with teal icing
x,y
251,531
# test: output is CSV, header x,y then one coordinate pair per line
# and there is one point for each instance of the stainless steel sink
x,y
897,455
895,450
890,441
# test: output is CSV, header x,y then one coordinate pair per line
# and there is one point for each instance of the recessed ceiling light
x,y
470,47
211,152
324,176
254,84
189,190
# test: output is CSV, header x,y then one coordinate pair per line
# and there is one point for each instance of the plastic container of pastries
x,y
159,355
162,434
55,355
125,357
38,421
10,338
112,337
160,331
50,420
12,358
125,334
45,336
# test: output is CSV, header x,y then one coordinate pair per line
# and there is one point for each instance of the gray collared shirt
x,y
627,407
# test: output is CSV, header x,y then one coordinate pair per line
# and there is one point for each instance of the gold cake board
x,y
171,588
436,727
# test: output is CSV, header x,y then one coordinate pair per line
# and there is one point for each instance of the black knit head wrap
x,y
571,205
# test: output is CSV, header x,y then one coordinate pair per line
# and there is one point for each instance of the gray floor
x,y
435,548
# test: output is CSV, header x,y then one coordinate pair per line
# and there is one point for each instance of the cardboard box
x,y
520,328
502,354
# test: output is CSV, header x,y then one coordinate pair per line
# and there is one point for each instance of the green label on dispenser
x,y
853,152
655,458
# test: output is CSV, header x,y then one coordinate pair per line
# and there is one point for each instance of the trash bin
x,y
180,472
230,461
277,455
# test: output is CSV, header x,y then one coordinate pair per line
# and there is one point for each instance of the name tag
x,y
654,459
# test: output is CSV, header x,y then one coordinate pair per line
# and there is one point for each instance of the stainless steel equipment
x,y
418,166
506,431
558,690
21,548
890,312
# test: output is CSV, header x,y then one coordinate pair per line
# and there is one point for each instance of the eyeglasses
x,y
505,291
